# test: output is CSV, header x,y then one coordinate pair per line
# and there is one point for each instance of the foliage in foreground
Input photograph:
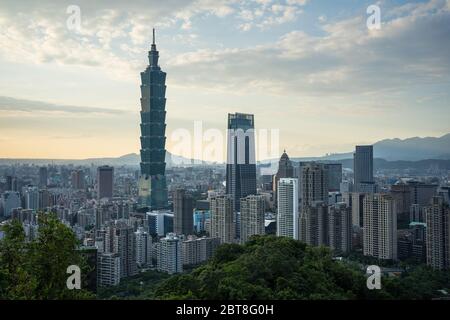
x,y
140,286
37,269
268,267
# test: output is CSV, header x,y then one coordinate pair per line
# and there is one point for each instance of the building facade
x,y
241,160
223,219
152,182
340,228
105,182
252,217
287,211
170,254
362,166
183,212
437,234
380,226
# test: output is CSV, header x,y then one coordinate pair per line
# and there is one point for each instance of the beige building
x,y
380,226
438,234
222,219
252,216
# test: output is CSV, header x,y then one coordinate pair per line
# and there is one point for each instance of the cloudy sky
x,y
310,68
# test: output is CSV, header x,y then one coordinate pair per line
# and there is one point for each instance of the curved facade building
x,y
152,183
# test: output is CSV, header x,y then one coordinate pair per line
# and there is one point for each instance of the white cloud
x,y
348,60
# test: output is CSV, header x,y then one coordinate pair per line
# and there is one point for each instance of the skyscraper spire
x,y
153,53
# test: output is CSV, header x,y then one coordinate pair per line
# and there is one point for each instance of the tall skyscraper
x,y
314,183
287,216
363,166
380,226
223,224
241,160
43,177
438,234
170,254
340,228
105,182
183,222
252,216
152,182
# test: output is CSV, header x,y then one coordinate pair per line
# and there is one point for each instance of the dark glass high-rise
x,y
152,182
241,162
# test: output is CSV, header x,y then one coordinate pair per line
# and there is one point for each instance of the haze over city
x,y
311,69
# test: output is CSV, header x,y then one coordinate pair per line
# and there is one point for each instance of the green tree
x,y
37,269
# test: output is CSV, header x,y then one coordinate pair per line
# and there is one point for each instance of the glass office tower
x,y
241,162
152,182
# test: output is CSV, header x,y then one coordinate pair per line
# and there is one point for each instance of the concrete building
x,y
105,182
198,250
170,254
120,239
314,183
251,217
314,224
380,226
287,211
108,269
77,179
183,212
143,248
340,228
438,234
223,219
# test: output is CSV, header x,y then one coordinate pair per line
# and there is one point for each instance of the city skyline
x,y
73,94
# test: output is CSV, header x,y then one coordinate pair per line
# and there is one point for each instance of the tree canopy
x,y
269,267
37,269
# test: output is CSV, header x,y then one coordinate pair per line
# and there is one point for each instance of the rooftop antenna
x,y
153,35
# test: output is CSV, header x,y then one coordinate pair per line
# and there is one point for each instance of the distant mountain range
x,y
131,159
411,149
392,150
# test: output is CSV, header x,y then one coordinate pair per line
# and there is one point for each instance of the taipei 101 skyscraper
x,y
152,182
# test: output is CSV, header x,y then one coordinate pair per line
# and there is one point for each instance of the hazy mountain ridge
x,y
424,151
130,159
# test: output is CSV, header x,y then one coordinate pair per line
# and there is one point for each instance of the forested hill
x,y
269,267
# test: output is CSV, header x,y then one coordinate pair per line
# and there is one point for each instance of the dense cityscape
x,y
131,220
